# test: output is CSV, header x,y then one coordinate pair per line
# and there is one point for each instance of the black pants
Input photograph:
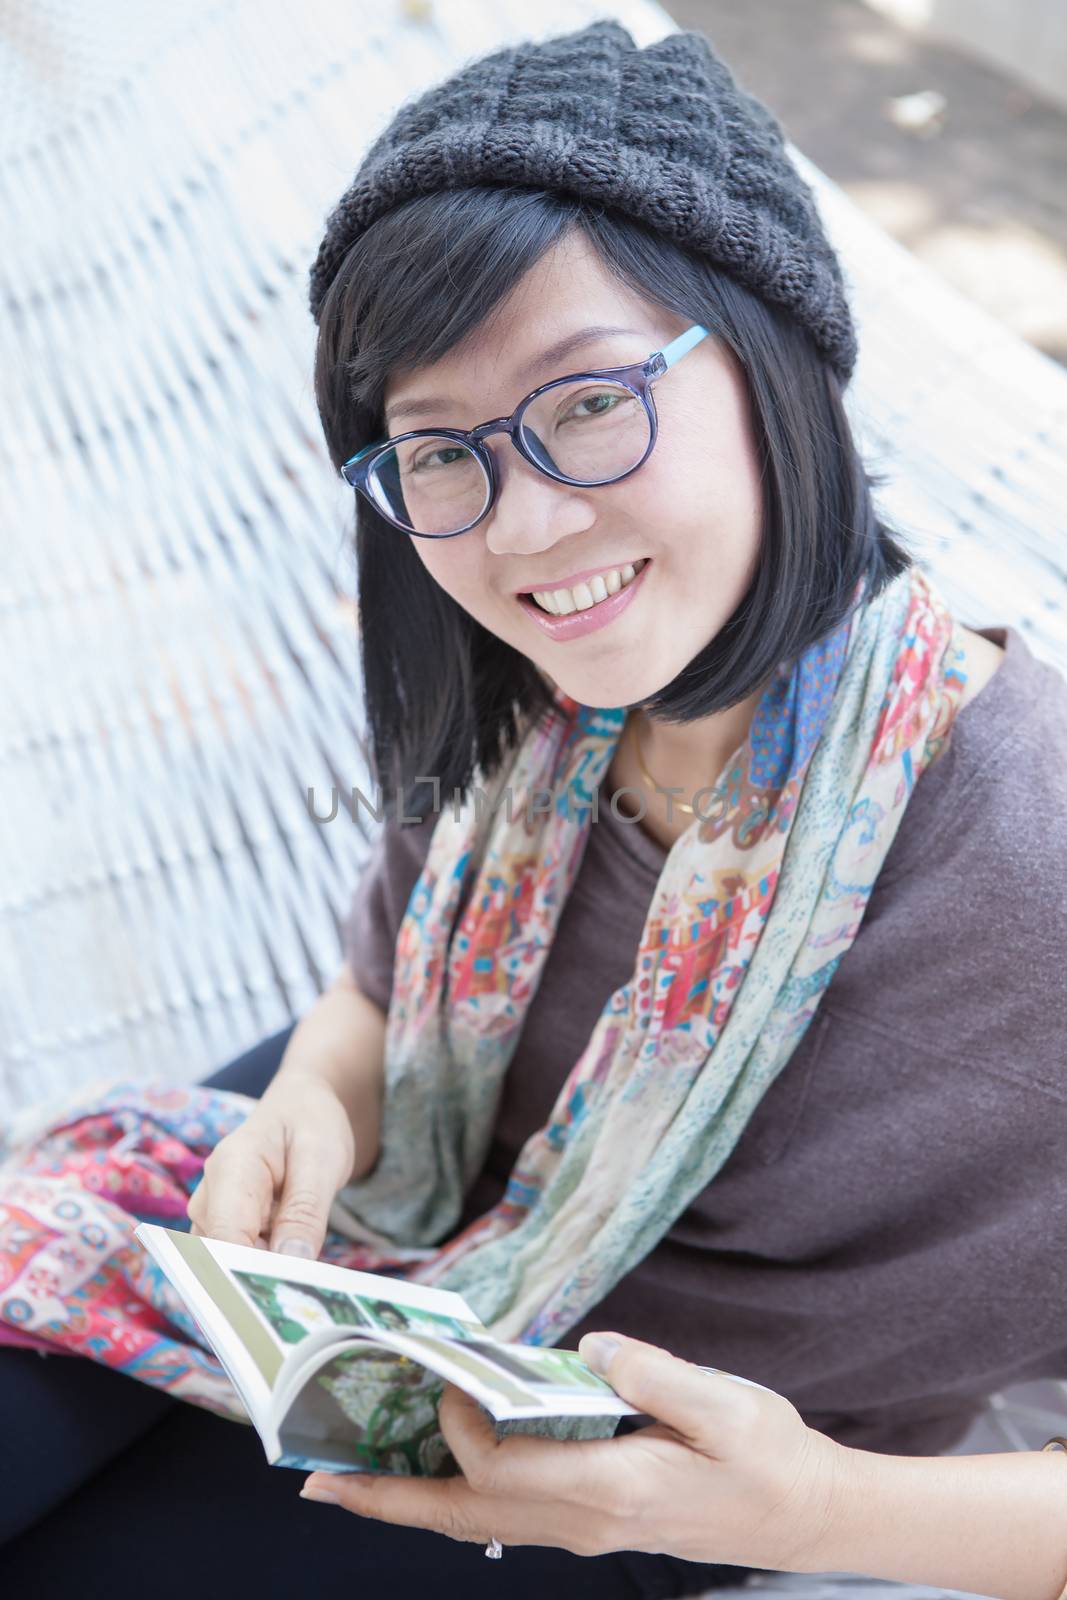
x,y
108,1487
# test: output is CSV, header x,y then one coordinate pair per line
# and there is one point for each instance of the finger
x,y
518,1465
441,1505
585,1474
451,1507
238,1188
299,1226
470,1435
465,1424
698,1405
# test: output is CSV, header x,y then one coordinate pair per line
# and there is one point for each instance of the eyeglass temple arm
x,y
683,344
671,353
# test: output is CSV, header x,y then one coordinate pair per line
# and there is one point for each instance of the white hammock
x,y
176,582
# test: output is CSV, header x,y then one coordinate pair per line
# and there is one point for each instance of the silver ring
x,y
494,1549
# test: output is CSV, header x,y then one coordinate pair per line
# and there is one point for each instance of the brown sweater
x,y
884,1244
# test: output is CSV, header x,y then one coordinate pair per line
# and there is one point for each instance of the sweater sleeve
x,y
369,931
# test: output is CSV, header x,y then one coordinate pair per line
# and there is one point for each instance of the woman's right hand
x,y
271,1182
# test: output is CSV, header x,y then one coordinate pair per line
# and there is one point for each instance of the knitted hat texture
x,y
664,135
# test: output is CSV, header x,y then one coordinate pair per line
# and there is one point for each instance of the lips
x,y
576,624
579,577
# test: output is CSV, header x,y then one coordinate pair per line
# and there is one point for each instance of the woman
x,y
735,1079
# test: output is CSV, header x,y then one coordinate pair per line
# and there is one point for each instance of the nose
x,y
532,511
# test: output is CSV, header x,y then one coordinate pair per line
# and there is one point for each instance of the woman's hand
x,y
272,1181
727,1473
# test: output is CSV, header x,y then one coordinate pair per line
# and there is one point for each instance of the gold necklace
x,y
649,779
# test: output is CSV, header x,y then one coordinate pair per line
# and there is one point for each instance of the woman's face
x,y
693,511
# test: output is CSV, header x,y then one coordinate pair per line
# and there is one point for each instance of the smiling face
x,y
692,511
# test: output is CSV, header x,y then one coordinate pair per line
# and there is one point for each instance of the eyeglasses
x,y
586,430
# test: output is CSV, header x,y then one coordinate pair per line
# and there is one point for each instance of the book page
x,y
255,1306
363,1407
516,1380
371,1404
250,1358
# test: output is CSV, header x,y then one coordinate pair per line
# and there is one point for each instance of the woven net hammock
x,y
177,608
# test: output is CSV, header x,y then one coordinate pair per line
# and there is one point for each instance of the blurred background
x,y
181,724
944,120
181,719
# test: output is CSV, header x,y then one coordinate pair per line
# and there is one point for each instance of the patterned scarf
x,y
755,906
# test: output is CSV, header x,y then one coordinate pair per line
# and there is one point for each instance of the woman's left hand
x,y
727,1473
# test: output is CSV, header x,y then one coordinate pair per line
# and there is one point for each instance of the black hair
x,y
442,693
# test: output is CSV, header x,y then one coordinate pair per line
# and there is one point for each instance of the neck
x,y
684,757
691,755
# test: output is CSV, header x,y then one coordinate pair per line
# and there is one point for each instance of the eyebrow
x,y
524,374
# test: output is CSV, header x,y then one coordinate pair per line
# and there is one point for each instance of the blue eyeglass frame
x,y
638,377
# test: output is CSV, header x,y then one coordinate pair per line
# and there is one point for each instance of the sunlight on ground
x,y
1009,268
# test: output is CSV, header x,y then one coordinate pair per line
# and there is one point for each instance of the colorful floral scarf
x,y
755,906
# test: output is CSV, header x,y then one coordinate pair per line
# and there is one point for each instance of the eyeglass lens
x,y
589,431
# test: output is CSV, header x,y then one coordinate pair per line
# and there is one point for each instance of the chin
x,y
612,694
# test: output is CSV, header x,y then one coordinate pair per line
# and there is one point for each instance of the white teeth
x,y
561,602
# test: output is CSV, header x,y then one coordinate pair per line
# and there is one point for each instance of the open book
x,y
341,1370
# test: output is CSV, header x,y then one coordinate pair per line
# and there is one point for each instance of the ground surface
x,y
983,199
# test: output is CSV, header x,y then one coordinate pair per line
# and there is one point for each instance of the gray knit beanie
x,y
663,135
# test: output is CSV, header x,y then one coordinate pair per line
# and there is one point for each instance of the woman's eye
x,y
432,458
599,405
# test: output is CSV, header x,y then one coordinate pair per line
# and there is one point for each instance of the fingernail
x,y
314,1491
295,1247
598,1350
